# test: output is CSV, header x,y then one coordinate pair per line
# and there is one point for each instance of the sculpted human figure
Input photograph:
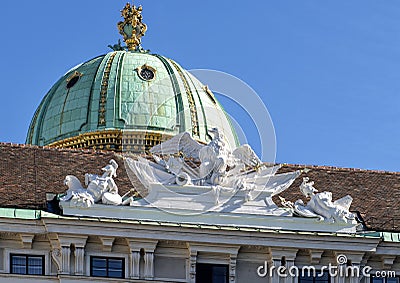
x,y
214,159
99,188
321,205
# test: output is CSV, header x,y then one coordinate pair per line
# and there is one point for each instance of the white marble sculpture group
x,y
184,165
183,161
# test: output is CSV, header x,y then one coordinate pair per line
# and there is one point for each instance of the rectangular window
x,y
212,273
107,267
318,278
27,264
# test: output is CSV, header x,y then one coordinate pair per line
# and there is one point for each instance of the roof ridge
x,y
329,167
97,151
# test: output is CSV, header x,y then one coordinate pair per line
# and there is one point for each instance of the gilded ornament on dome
x,y
132,28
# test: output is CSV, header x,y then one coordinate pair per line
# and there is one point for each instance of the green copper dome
x,y
141,95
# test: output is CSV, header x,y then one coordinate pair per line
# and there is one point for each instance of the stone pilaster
x,y
148,265
280,271
79,260
349,266
65,259
135,265
192,266
232,268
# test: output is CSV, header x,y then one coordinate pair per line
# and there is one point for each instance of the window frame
x,y
27,256
107,258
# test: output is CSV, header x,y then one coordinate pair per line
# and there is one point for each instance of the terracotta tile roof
x,y
376,194
27,173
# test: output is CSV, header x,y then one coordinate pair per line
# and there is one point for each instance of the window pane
x,y
35,260
18,269
115,263
18,264
102,272
18,260
377,280
35,270
115,273
98,267
115,268
392,280
220,274
35,265
99,262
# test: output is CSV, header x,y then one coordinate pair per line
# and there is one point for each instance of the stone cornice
x,y
229,237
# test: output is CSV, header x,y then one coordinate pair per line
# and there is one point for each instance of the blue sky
x,y
328,71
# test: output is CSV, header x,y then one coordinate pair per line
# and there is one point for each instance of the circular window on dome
x,y
73,79
146,73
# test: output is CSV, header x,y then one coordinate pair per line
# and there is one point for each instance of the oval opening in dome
x,y
146,73
73,79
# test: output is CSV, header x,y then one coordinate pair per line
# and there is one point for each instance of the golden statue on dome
x,y
132,28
